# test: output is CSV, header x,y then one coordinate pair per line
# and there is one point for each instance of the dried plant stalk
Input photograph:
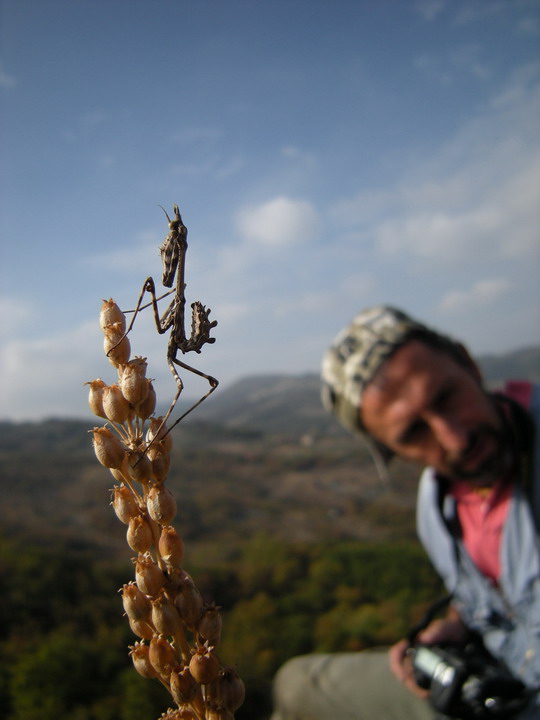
x,y
178,634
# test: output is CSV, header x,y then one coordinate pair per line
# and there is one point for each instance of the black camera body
x,y
467,683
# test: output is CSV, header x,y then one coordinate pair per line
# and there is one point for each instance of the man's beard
x,y
489,468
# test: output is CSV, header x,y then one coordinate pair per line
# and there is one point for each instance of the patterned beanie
x,y
354,358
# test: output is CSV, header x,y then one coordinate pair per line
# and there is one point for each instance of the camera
x,y
467,683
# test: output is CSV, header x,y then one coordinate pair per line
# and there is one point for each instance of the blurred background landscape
x,y
285,523
326,155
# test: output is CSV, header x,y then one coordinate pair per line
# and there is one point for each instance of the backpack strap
x,y
524,436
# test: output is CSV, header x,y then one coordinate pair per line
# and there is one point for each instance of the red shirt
x,y
482,513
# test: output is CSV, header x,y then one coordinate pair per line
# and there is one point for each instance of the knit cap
x,y
354,358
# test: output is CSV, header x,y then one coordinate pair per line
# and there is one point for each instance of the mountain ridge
x,y
291,403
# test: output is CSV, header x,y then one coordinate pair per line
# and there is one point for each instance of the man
x,y
412,392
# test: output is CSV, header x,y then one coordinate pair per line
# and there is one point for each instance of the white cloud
x,y
476,197
481,293
14,313
31,368
279,222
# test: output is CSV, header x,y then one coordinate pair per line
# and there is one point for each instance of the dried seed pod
x,y
139,654
148,406
133,380
115,405
228,690
115,345
183,686
162,655
136,604
95,397
204,664
161,461
171,546
148,576
161,433
110,314
125,503
139,466
165,616
216,712
189,602
108,448
210,624
139,534
161,504
142,629
179,714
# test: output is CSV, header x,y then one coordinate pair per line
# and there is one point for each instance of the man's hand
x,y
450,630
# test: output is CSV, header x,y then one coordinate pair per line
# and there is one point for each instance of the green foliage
x,y
63,641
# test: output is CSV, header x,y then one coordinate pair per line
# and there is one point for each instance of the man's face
x,y
429,409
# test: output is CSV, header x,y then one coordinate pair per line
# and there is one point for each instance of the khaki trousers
x,y
344,686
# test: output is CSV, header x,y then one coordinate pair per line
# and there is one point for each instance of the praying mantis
x,y
173,256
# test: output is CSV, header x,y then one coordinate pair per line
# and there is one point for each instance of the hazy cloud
x,y
14,312
62,362
279,222
477,196
481,293
143,253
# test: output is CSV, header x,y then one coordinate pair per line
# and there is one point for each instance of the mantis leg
x,y
173,361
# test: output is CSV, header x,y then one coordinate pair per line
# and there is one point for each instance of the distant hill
x,y
259,456
523,364
291,405
275,404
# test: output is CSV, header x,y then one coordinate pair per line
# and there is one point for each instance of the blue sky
x,y
326,155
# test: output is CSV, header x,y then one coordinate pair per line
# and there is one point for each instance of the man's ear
x,y
469,363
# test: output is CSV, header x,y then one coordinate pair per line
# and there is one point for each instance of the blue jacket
x,y
507,617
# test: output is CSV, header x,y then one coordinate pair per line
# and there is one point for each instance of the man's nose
x,y
450,434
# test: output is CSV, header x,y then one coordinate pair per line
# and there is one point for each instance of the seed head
x,y
161,504
216,712
136,604
110,314
125,504
95,397
142,628
160,433
179,714
209,626
183,686
165,616
109,450
115,405
148,576
162,655
115,345
139,534
148,405
141,662
171,546
204,664
139,466
228,690
161,461
189,602
133,380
